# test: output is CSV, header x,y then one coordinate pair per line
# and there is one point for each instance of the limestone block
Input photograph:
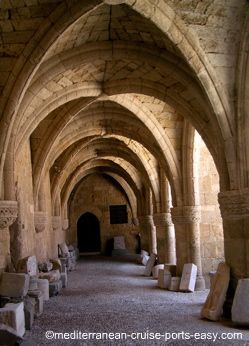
x,y
13,315
55,288
33,283
64,252
119,243
14,285
52,276
212,308
64,279
8,335
28,265
155,270
150,265
144,253
174,283
29,312
64,263
38,296
240,307
145,259
164,279
43,286
188,278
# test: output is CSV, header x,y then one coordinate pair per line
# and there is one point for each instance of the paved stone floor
x,y
105,295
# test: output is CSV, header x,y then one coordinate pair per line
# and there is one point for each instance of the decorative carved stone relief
x,y
8,213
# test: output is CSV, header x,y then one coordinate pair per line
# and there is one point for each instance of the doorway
x,y
88,233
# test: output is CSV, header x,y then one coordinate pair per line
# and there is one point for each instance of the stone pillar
x,y
234,206
187,227
165,232
56,223
148,233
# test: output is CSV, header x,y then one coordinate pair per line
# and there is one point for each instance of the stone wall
x,y
95,194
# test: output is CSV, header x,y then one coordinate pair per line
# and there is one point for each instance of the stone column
x,y
148,233
165,232
187,227
234,206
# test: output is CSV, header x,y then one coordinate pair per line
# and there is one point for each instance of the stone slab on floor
x,y
174,283
164,279
240,307
213,306
14,285
150,264
13,315
156,269
188,278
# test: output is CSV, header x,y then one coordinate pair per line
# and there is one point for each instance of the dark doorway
x,y
88,233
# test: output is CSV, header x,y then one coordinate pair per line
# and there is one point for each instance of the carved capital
x,y
65,224
234,205
41,221
56,223
162,219
8,213
186,214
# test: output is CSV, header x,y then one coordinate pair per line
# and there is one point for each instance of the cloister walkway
x,y
107,295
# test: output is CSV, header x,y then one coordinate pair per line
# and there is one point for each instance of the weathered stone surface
x,y
38,296
33,283
144,253
150,265
63,249
212,308
174,283
8,336
52,276
119,243
188,278
156,269
13,315
145,259
55,288
28,265
29,312
14,285
240,307
64,279
164,279
43,286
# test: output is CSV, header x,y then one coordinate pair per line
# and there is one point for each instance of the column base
x,y
200,284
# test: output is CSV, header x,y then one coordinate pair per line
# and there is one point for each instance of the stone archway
x,y
88,233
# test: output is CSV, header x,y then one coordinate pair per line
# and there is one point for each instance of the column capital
x,y
234,204
56,223
8,213
186,214
41,221
164,218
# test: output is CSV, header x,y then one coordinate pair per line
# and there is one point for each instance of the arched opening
x,y
88,233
